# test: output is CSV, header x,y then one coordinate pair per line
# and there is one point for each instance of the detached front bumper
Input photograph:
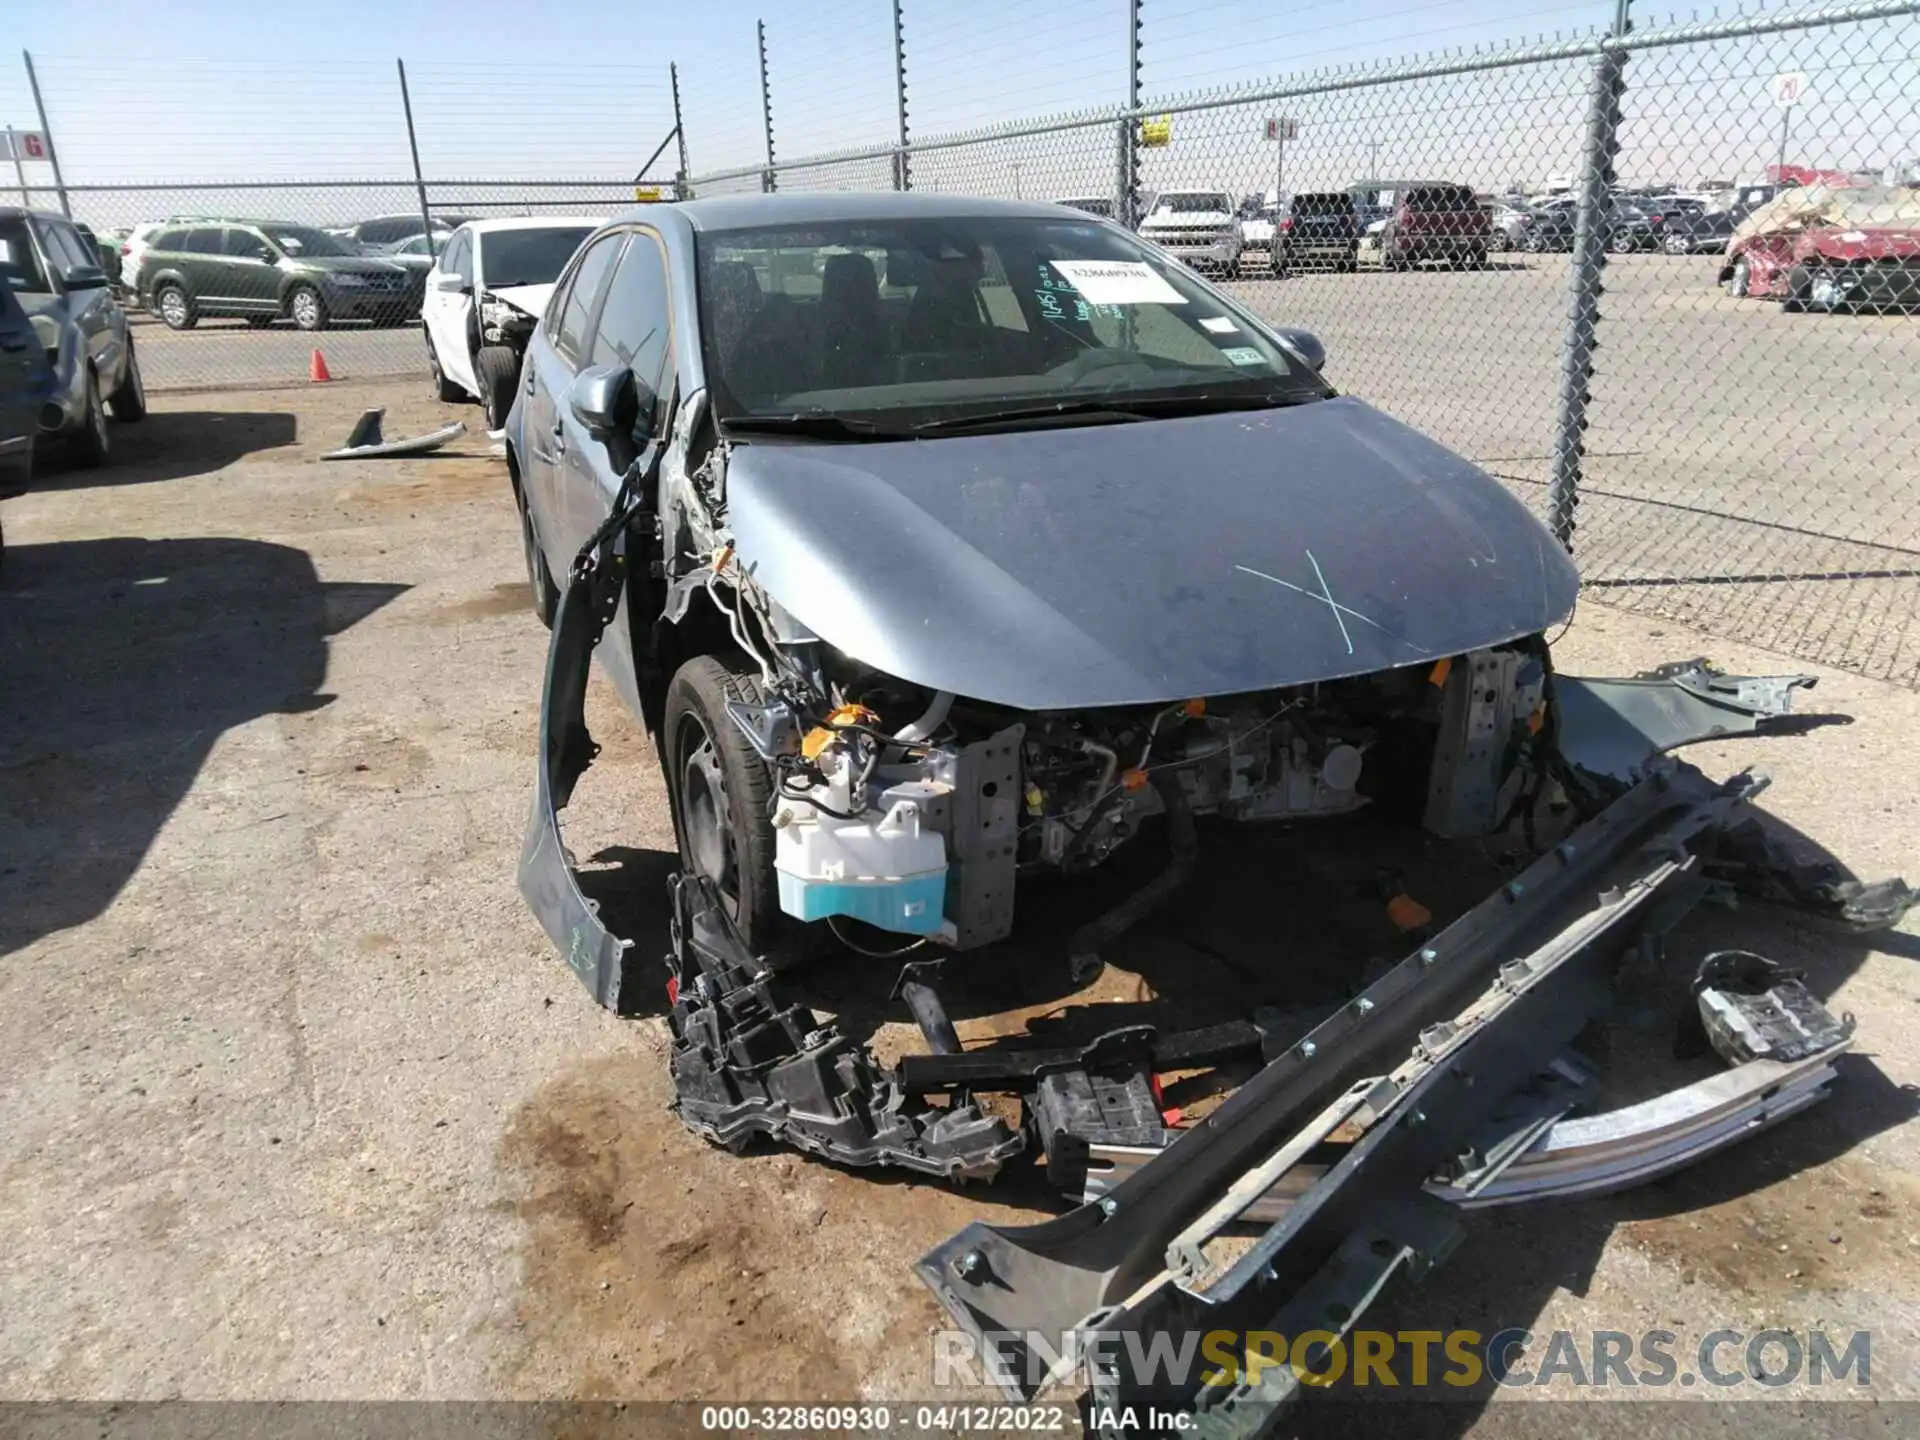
x,y
1447,1084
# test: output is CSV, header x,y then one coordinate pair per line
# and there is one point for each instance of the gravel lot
x,y
298,1102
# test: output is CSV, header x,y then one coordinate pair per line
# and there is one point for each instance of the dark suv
x,y
1317,229
264,270
1435,220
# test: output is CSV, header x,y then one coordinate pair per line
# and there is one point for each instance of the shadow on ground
x,y
125,660
167,445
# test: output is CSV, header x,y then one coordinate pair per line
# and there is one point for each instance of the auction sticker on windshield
x,y
1244,355
1118,282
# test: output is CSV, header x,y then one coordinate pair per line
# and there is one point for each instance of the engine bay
x,y
919,812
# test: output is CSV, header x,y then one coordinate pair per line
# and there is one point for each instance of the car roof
x,y
740,211
12,211
535,222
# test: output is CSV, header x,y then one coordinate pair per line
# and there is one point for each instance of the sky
x,y
223,90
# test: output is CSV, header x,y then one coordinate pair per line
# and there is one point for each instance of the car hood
x,y
1884,242
1187,220
1146,562
530,298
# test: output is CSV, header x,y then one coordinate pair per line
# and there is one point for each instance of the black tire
x,y
1799,291
175,307
1740,279
307,308
722,797
129,402
444,390
1533,243
497,368
1623,243
91,445
1676,245
546,595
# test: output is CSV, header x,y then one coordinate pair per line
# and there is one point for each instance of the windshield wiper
x,y
1094,410
811,427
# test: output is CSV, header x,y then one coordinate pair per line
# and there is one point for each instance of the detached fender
x,y
596,586
1617,727
603,961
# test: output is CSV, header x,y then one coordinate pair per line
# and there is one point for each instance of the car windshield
x,y
916,322
528,257
19,265
1193,204
300,241
1322,205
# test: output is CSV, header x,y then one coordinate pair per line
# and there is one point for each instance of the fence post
x,y
19,168
902,172
680,188
1128,209
413,147
53,155
768,181
1584,287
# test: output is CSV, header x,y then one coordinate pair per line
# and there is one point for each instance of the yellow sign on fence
x,y
649,194
1156,131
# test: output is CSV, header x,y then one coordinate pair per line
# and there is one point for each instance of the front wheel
x,y
722,794
1533,243
175,308
497,368
1740,282
1676,245
306,307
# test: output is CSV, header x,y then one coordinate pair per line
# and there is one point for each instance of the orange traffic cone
x,y
318,371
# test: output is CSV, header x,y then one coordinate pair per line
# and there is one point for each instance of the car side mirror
x,y
84,277
449,283
611,404
1306,344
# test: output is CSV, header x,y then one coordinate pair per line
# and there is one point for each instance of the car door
x,y
632,331
203,262
23,386
552,361
449,313
90,307
251,268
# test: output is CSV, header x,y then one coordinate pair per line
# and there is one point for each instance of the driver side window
x,y
245,245
458,259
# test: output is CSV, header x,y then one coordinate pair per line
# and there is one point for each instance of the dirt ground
x,y
300,1104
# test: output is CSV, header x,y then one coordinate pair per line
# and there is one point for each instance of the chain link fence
x,y
1669,302
1735,454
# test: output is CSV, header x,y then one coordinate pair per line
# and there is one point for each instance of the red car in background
x,y
1841,249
